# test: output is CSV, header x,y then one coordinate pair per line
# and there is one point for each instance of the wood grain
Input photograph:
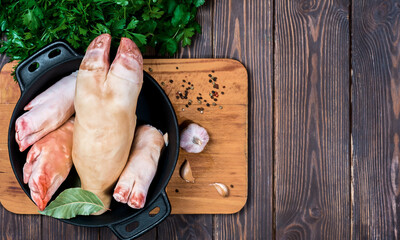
x,y
300,98
106,234
12,197
187,226
312,120
19,227
53,229
243,30
9,90
194,227
376,123
201,43
225,157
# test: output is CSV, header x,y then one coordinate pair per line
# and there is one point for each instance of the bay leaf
x,y
72,202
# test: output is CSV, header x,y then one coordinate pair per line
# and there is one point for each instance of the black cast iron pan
x,y
49,65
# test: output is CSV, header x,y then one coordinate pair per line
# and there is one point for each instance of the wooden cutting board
x,y
224,160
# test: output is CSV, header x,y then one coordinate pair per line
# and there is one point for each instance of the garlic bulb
x,y
194,138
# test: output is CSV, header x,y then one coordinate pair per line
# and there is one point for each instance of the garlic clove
x,y
222,189
166,140
194,138
186,172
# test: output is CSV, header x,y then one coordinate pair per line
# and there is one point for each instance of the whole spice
x,y
186,172
222,189
194,138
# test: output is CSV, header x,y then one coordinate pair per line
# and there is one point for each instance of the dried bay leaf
x,y
73,202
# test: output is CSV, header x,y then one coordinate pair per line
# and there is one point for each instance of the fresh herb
x,y
73,202
30,24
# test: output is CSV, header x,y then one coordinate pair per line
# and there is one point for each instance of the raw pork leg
x,y
47,112
105,120
48,163
135,180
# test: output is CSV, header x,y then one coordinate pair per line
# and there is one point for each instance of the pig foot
x,y
105,103
46,112
48,164
135,180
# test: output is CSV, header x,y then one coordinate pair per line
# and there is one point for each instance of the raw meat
x,y
48,163
136,178
105,120
46,112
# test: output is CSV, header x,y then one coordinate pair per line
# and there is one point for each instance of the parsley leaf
x,y
132,24
187,34
140,37
198,3
181,15
29,25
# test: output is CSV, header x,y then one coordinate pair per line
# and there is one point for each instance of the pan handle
x,y
143,221
50,55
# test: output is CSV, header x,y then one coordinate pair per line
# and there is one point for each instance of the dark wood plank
x,y
17,227
375,122
57,230
312,133
201,43
107,234
186,227
243,31
193,226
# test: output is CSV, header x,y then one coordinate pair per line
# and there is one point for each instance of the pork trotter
x,y
105,104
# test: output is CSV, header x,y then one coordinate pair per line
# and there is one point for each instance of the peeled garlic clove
x,y
222,189
194,138
166,140
186,172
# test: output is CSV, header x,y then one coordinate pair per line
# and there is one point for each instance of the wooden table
x,y
324,79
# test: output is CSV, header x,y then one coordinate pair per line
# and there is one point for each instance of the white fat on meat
x,y
105,105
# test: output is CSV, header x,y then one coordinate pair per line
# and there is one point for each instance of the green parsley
x,y
31,24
